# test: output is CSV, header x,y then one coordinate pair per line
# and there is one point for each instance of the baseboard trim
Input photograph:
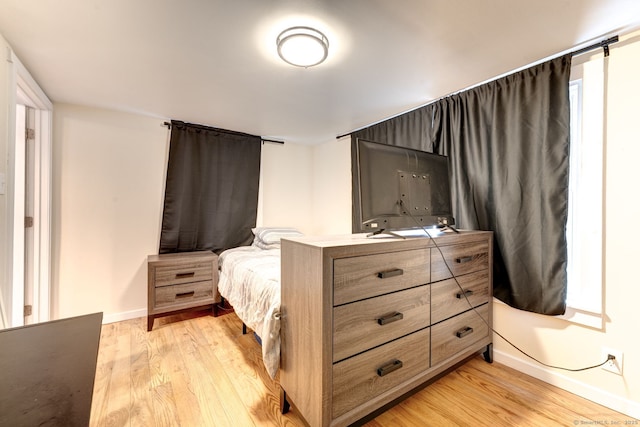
x,y
587,391
125,315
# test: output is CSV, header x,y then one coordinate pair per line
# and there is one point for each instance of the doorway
x,y
29,188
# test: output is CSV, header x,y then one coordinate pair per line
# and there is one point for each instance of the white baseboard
x,y
125,315
587,391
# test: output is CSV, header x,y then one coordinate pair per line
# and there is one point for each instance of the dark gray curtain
x,y
211,196
508,148
412,129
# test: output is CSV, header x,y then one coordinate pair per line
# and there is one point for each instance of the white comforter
x,y
250,281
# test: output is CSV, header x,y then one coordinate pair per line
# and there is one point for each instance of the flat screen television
x,y
397,188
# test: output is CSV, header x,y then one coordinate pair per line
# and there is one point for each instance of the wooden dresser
x,y
181,281
365,321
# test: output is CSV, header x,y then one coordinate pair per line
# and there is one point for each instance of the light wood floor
x,y
198,370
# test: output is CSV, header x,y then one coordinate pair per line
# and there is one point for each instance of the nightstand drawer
x,y
184,294
458,333
362,325
356,278
177,274
367,375
447,299
460,259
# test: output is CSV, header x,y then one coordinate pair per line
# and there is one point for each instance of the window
x,y
586,195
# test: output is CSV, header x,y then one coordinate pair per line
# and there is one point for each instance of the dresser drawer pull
x,y
464,259
390,318
387,369
185,294
464,332
185,275
466,293
390,273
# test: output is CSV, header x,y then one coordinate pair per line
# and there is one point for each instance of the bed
x,y
250,282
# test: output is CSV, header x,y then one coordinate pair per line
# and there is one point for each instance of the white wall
x,y
332,187
108,184
286,186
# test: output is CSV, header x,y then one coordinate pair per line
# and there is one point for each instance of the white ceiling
x,y
214,62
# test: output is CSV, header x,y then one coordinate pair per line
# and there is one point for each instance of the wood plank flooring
x,y
194,369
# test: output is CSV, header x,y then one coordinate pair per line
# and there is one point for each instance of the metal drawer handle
x,y
184,275
464,332
466,293
387,369
389,318
390,273
185,294
464,259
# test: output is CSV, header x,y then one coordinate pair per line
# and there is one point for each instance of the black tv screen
x,y
398,188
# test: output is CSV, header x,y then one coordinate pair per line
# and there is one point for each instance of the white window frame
x,y
585,224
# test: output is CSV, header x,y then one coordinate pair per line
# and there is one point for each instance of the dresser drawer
x,y
356,278
189,293
461,259
458,333
362,325
447,299
362,377
176,274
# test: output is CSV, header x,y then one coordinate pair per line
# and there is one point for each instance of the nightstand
x,y
181,281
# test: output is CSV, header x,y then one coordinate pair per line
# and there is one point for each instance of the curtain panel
x,y
508,148
211,195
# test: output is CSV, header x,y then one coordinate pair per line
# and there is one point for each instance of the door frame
x,y
28,92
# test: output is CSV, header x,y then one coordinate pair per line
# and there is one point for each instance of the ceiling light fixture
x,y
302,46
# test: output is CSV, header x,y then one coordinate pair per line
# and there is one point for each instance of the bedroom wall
x,y
286,195
108,182
108,188
332,187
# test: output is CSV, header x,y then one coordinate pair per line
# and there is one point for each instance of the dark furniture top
x,y
47,371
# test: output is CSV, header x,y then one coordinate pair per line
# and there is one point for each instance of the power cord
x,y
609,357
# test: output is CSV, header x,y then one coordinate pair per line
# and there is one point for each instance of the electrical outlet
x,y
614,365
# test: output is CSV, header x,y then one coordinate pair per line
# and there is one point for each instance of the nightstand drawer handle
x,y
185,275
390,273
464,332
464,259
387,369
185,294
389,318
466,293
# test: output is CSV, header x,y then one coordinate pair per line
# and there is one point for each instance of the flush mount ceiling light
x,y
302,46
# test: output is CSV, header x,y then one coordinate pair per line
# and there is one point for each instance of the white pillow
x,y
269,237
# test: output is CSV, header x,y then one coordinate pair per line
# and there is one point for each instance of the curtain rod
x,y
263,140
273,141
604,44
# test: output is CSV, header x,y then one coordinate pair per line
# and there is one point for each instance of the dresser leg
x,y
488,353
149,323
284,404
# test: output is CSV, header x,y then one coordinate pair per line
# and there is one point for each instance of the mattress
x,y
250,282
